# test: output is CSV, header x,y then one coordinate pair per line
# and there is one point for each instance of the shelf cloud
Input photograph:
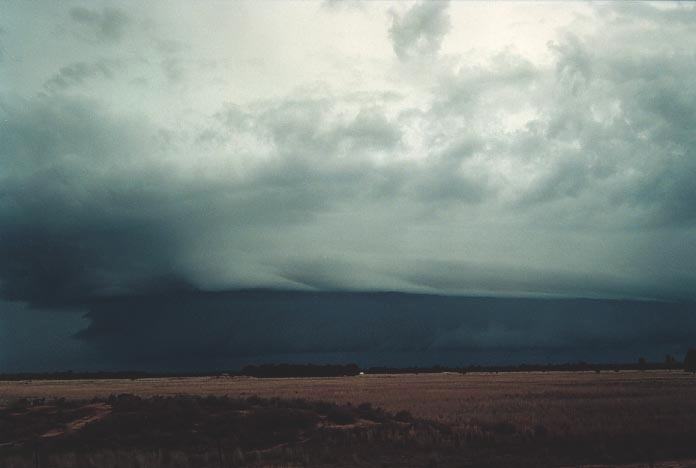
x,y
468,149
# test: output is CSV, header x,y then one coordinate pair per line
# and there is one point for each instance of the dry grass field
x,y
610,416
562,402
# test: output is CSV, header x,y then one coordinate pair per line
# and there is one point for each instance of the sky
x,y
538,151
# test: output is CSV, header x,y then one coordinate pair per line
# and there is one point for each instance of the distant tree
x,y
300,370
690,360
670,362
642,363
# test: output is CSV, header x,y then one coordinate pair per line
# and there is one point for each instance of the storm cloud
x,y
262,322
541,150
194,330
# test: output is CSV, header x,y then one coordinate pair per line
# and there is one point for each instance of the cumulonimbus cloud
x,y
508,175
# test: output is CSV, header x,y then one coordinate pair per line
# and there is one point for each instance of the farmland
x,y
536,418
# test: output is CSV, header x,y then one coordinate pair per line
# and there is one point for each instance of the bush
x,y
403,416
367,411
340,415
20,404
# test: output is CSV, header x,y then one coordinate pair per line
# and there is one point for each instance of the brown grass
x,y
652,410
572,403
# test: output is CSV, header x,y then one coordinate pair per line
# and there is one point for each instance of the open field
x,y
610,417
572,402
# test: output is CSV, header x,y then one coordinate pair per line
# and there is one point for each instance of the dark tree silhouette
x,y
670,362
301,370
690,360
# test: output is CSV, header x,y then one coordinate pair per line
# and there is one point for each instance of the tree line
x,y
341,370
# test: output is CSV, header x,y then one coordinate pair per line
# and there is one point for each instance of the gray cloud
x,y
77,73
420,30
79,213
380,329
173,69
107,25
339,5
506,174
90,210
151,181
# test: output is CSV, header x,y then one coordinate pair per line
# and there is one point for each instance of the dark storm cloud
x,y
88,209
231,328
108,24
344,162
648,137
578,172
93,204
197,331
80,217
420,30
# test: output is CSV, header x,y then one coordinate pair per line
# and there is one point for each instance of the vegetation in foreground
x,y
130,431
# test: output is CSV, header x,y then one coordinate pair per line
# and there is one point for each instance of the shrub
x,y
403,416
20,404
340,415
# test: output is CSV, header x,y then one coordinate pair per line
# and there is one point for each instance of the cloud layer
x,y
195,331
396,148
